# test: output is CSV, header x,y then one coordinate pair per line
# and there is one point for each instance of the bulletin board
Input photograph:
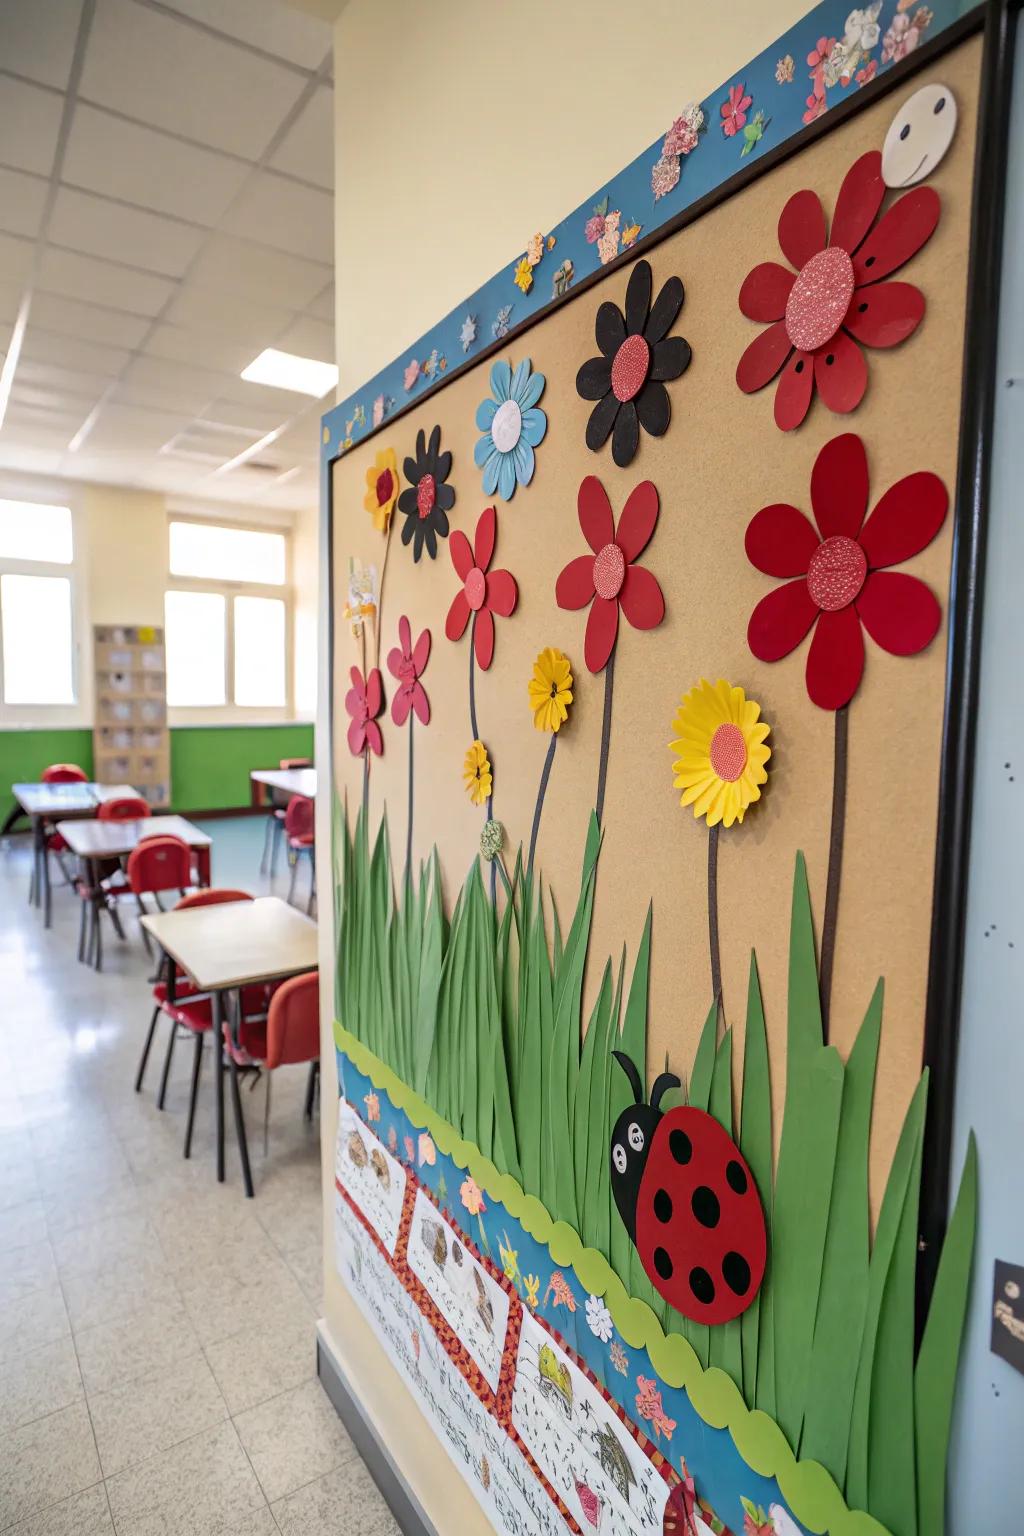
x,y
642,632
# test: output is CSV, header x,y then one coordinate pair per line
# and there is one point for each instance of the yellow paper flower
x,y
523,275
476,773
720,752
382,487
550,689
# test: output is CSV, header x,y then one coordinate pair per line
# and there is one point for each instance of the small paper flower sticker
x,y
491,839
472,1197
372,1103
599,1319
512,425
476,774
427,1150
734,110
523,275
382,487
550,689
720,752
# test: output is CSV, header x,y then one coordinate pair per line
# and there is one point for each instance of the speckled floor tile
x,y
38,1383
205,1484
45,1461
116,1291
258,1363
293,1439
345,1502
154,1413
24,1222
25,1269
32,1321
84,1514
125,1350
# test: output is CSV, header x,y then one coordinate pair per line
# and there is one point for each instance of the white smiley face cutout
x,y
919,136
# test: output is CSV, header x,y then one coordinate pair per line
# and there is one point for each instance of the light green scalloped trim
x,y
808,1489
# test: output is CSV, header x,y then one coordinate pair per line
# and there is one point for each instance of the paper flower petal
x,y
461,553
781,620
638,298
900,234
485,413
802,228
575,584
483,540
670,358
609,328
594,378
602,419
638,520
899,612
507,477
839,486
595,513
885,314
835,661
780,541
665,312
641,598
841,374
602,632
421,704
535,425
765,291
763,358
653,408
860,197
502,593
530,392
793,392
501,378
492,469
458,616
625,434
483,638
906,519
421,653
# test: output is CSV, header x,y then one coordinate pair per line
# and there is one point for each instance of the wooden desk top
x,y
235,942
292,781
68,799
95,839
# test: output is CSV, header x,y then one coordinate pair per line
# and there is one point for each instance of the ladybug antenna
x,y
662,1083
629,1067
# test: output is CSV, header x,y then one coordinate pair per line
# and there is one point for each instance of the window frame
x,y
208,714
70,712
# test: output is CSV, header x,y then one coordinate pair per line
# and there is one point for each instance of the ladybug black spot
x,y
680,1146
735,1177
706,1208
702,1286
663,1205
662,1263
736,1273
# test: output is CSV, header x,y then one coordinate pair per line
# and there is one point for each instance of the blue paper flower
x,y
512,425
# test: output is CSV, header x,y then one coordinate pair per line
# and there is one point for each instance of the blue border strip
x,y
817,64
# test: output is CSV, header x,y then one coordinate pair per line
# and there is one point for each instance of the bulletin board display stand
x,y
130,739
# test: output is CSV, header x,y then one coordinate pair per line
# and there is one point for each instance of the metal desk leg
x,y
33,888
218,1072
47,898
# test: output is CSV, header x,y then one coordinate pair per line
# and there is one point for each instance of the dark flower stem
x,y
716,958
606,735
366,785
476,736
835,863
408,833
538,808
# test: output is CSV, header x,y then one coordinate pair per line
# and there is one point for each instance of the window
x,y
36,633
227,620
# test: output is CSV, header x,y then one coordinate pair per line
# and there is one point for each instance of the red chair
x,y
128,808
160,863
62,773
275,821
288,1036
298,826
98,888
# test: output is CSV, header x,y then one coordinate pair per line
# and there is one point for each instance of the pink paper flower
x,y
594,228
410,1149
392,1140
378,410
411,374
649,1406
681,137
427,1150
734,111
867,74
664,175
784,70
472,1196
364,702
372,1106
406,663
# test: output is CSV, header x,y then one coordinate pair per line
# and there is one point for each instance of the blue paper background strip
x,y
500,308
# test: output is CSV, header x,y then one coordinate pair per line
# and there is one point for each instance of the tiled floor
x,y
157,1362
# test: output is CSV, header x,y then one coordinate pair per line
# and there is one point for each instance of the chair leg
x,y
141,905
291,883
243,1145
115,918
265,860
145,1049
266,1115
197,1067
98,937
167,1067
314,1068
275,844
81,929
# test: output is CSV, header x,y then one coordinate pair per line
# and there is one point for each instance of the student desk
x,y
43,804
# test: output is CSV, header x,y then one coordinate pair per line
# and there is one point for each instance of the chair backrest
x,y
293,1023
65,773
128,808
296,762
298,818
161,863
211,898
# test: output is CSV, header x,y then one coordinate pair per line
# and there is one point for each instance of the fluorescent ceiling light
x,y
283,370
14,353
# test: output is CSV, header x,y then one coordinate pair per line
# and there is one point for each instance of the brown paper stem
x,y
835,863
606,734
541,792
716,958
408,832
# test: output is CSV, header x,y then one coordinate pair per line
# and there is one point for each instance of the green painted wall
x,y
209,764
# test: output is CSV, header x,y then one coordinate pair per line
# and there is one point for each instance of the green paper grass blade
x,y
803,1183
597,1032
720,1102
886,1237
935,1375
844,1277
536,1027
756,1146
725,1347
704,1062
428,987
599,1201
632,1040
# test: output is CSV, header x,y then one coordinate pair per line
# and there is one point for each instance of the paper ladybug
x,y
689,1203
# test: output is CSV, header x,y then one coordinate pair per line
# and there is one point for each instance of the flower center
x,y
385,486
609,571
406,671
426,495
819,299
728,752
630,367
507,426
836,573
475,587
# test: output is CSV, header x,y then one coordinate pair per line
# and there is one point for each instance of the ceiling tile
x,y
307,149
141,165
284,401
251,319
124,426
69,381
15,259
52,399
256,270
153,67
283,213
88,322
37,39
66,423
275,29
322,308
99,227
104,282
225,353
42,346
22,200
10,302
195,385
310,338
29,124
218,444
248,416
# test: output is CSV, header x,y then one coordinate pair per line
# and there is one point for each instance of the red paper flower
x,y
364,702
608,579
836,301
407,664
484,592
841,570
734,111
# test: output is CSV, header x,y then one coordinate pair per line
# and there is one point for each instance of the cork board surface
x,y
721,460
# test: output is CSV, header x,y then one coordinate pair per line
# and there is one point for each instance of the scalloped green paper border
x,y
809,1490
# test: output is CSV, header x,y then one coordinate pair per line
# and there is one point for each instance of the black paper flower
x,y
637,355
427,498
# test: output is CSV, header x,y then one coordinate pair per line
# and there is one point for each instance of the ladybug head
x,y
631,1139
